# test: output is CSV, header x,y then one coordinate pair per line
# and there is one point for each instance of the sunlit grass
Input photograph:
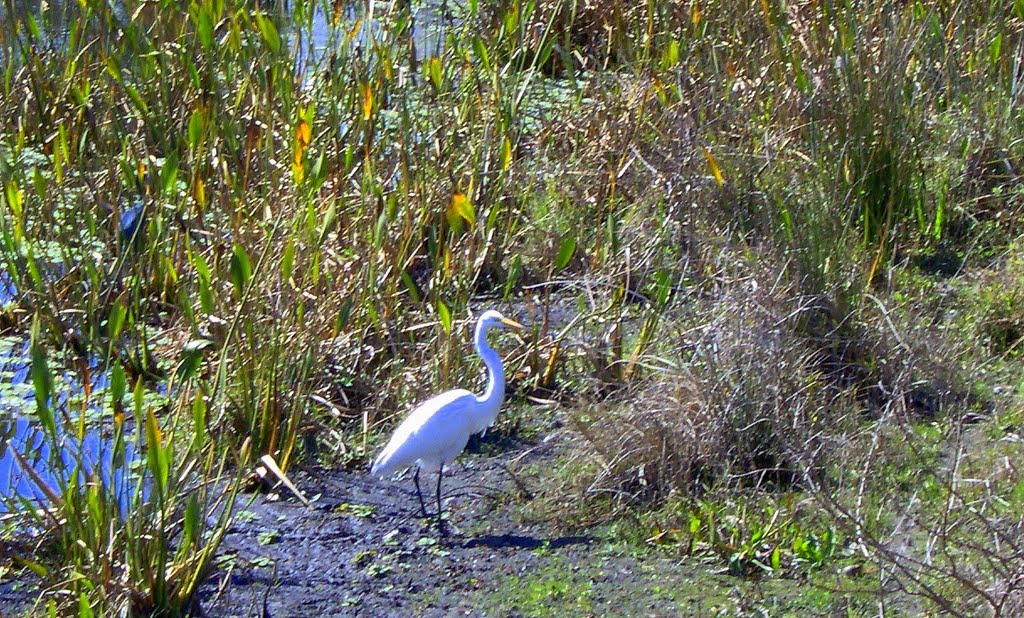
x,y
666,190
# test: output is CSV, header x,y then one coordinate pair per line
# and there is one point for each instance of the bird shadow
x,y
518,541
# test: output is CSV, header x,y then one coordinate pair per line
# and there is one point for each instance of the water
x,y
319,35
6,289
53,463
427,29
23,444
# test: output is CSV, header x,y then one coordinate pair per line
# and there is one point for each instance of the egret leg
x,y
419,494
440,521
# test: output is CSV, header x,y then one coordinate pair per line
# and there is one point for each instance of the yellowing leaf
x,y
14,197
506,154
670,55
367,100
444,315
695,14
199,193
713,166
435,72
339,5
659,90
464,208
461,209
303,134
354,30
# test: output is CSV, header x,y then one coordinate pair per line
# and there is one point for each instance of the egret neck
x,y
495,393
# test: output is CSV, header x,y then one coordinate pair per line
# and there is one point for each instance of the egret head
x,y
494,318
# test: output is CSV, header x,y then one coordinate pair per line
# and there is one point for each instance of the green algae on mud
x,y
604,582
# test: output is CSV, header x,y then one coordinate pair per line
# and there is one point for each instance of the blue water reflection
x,y
6,288
428,28
92,459
22,441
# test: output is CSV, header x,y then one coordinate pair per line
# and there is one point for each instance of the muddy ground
x,y
362,549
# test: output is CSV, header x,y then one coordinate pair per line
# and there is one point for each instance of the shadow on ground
x,y
505,541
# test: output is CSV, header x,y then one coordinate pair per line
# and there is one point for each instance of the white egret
x,y
437,430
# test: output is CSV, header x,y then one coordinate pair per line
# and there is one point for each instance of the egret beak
x,y
512,323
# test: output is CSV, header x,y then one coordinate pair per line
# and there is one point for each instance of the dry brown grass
x,y
732,392
756,383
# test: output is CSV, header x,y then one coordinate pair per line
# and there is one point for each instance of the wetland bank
x,y
769,258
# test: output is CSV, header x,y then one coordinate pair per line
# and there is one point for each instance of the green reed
x,y
317,222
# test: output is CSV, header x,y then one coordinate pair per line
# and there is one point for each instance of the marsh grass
x,y
114,530
720,219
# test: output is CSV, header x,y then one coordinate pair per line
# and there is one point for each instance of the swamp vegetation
x,y
770,254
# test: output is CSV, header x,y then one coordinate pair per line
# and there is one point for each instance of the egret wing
x,y
434,432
